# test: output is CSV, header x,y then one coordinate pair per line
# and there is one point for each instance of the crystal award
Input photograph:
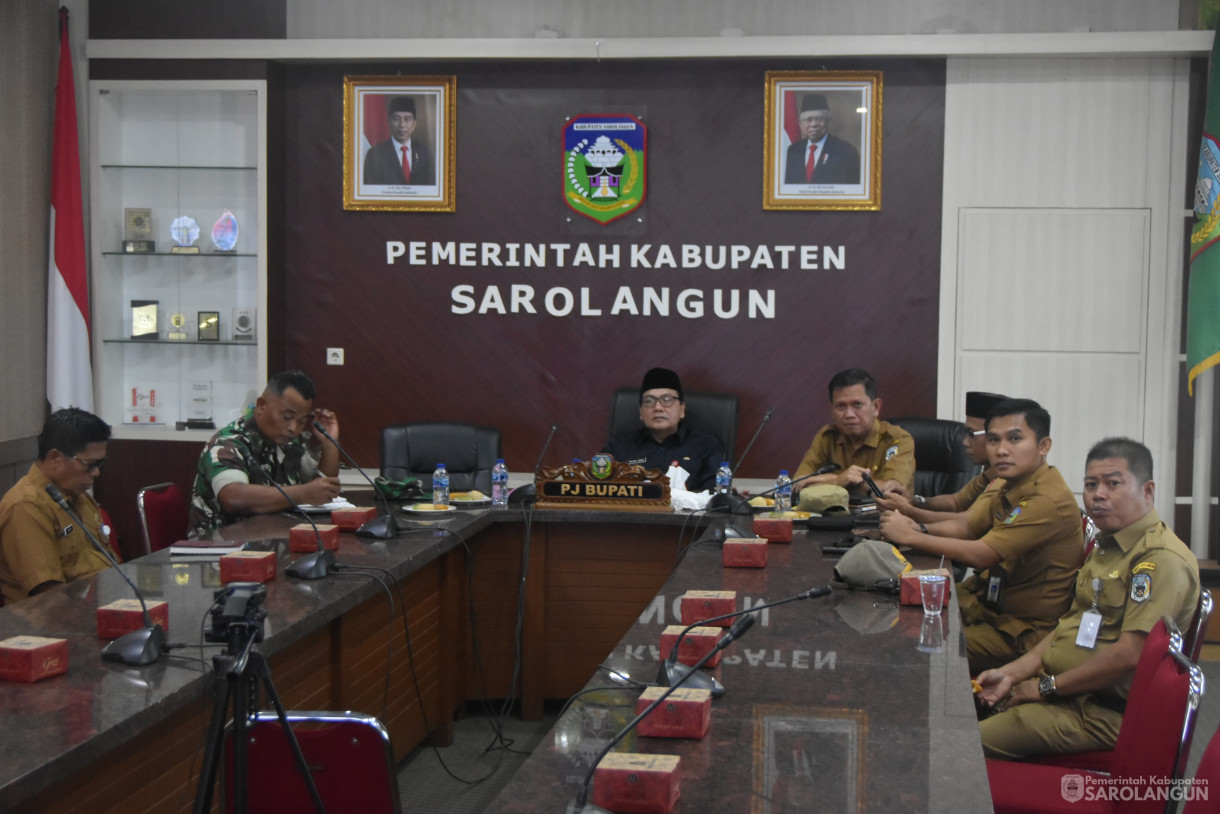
x,y
185,231
224,232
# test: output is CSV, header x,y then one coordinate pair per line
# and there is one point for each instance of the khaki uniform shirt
x,y
1035,528
964,498
40,543
888,452
1145,572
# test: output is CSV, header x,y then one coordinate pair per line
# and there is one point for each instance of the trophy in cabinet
x,y
177,321
137,231
224,233
185,231
243,324
209,326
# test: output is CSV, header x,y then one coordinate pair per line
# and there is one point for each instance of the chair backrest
x,y
1154,740
1207,777
163,515
468,451
349,756
712,413
1193,644
942,465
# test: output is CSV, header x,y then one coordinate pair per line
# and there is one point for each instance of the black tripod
x,y
239,672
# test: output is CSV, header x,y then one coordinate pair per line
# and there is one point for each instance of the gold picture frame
x,y
424,109
806,752
841,112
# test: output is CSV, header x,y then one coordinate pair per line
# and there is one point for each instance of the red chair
x,y
1166,688
163,515
1197,801
349,756
1194,637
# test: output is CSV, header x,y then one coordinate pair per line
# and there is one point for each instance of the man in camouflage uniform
x,y
268,444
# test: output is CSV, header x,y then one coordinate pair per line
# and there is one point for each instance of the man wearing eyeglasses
x,y
273,442
40,545
664,438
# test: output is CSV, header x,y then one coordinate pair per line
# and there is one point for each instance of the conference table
x,y
110,738
830,703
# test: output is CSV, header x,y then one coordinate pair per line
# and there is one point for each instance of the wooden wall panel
x,y
409,358
134,465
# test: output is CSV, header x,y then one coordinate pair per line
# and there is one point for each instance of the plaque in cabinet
x,y
209,326
243,324
144,319
137,224
177,334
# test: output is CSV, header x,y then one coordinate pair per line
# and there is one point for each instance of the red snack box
x,y
744,552
124,615
694,645
302,540
908,587
249,566
31,658
687,713
353,518
698,605
775,529
632,783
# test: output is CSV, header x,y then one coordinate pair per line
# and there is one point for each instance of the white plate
x,y
319,508
426,508
457,500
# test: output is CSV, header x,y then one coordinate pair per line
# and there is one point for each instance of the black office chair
x,y
942,465
468,451
712,413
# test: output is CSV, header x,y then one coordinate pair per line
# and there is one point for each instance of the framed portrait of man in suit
x,y
823,140
398,142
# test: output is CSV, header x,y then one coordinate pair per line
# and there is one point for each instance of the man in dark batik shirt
x,y
271,442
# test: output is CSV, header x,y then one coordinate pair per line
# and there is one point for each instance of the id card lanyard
x,y
1090,620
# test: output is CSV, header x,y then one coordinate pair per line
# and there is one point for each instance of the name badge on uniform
x,y
68,529
1090,624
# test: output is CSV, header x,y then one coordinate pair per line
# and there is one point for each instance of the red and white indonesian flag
x,y
69,372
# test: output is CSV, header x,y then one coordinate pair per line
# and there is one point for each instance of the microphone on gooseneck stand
x,y
528,493
384,527
674,672
761,424
581,804
311,566
142,646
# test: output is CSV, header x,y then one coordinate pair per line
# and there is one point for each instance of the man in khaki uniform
x,y
1068,693
1022,536
940,507
40,545
858,441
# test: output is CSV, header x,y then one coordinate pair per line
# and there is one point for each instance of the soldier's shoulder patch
x,y
891,452
1144,566
1141,587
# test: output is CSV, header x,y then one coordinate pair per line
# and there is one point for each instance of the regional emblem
x,y
1071,787
604,158
600,465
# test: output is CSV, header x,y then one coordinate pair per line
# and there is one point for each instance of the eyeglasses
x,y
90,464
666,401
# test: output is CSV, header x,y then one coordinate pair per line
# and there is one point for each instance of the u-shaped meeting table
x,y
830,702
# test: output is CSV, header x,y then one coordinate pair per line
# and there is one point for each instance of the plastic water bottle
x,y
440,486
783,491
499,484
724,478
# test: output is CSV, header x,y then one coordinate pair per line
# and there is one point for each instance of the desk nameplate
x,y
604,485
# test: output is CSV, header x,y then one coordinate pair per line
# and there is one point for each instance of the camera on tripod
x,y
238,607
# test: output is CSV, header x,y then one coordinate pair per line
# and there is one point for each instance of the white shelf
x,y
177,148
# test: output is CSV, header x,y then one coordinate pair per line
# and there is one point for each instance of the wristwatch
x,y
918,500
1046,687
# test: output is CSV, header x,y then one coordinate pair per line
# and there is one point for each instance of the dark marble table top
x,y
830,705
54,727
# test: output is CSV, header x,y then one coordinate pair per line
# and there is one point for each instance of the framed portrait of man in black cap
x,y
823,140
398,143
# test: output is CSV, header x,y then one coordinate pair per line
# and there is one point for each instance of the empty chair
x,y
942,464
349,756
712,413
163,515
468,451
1153,743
